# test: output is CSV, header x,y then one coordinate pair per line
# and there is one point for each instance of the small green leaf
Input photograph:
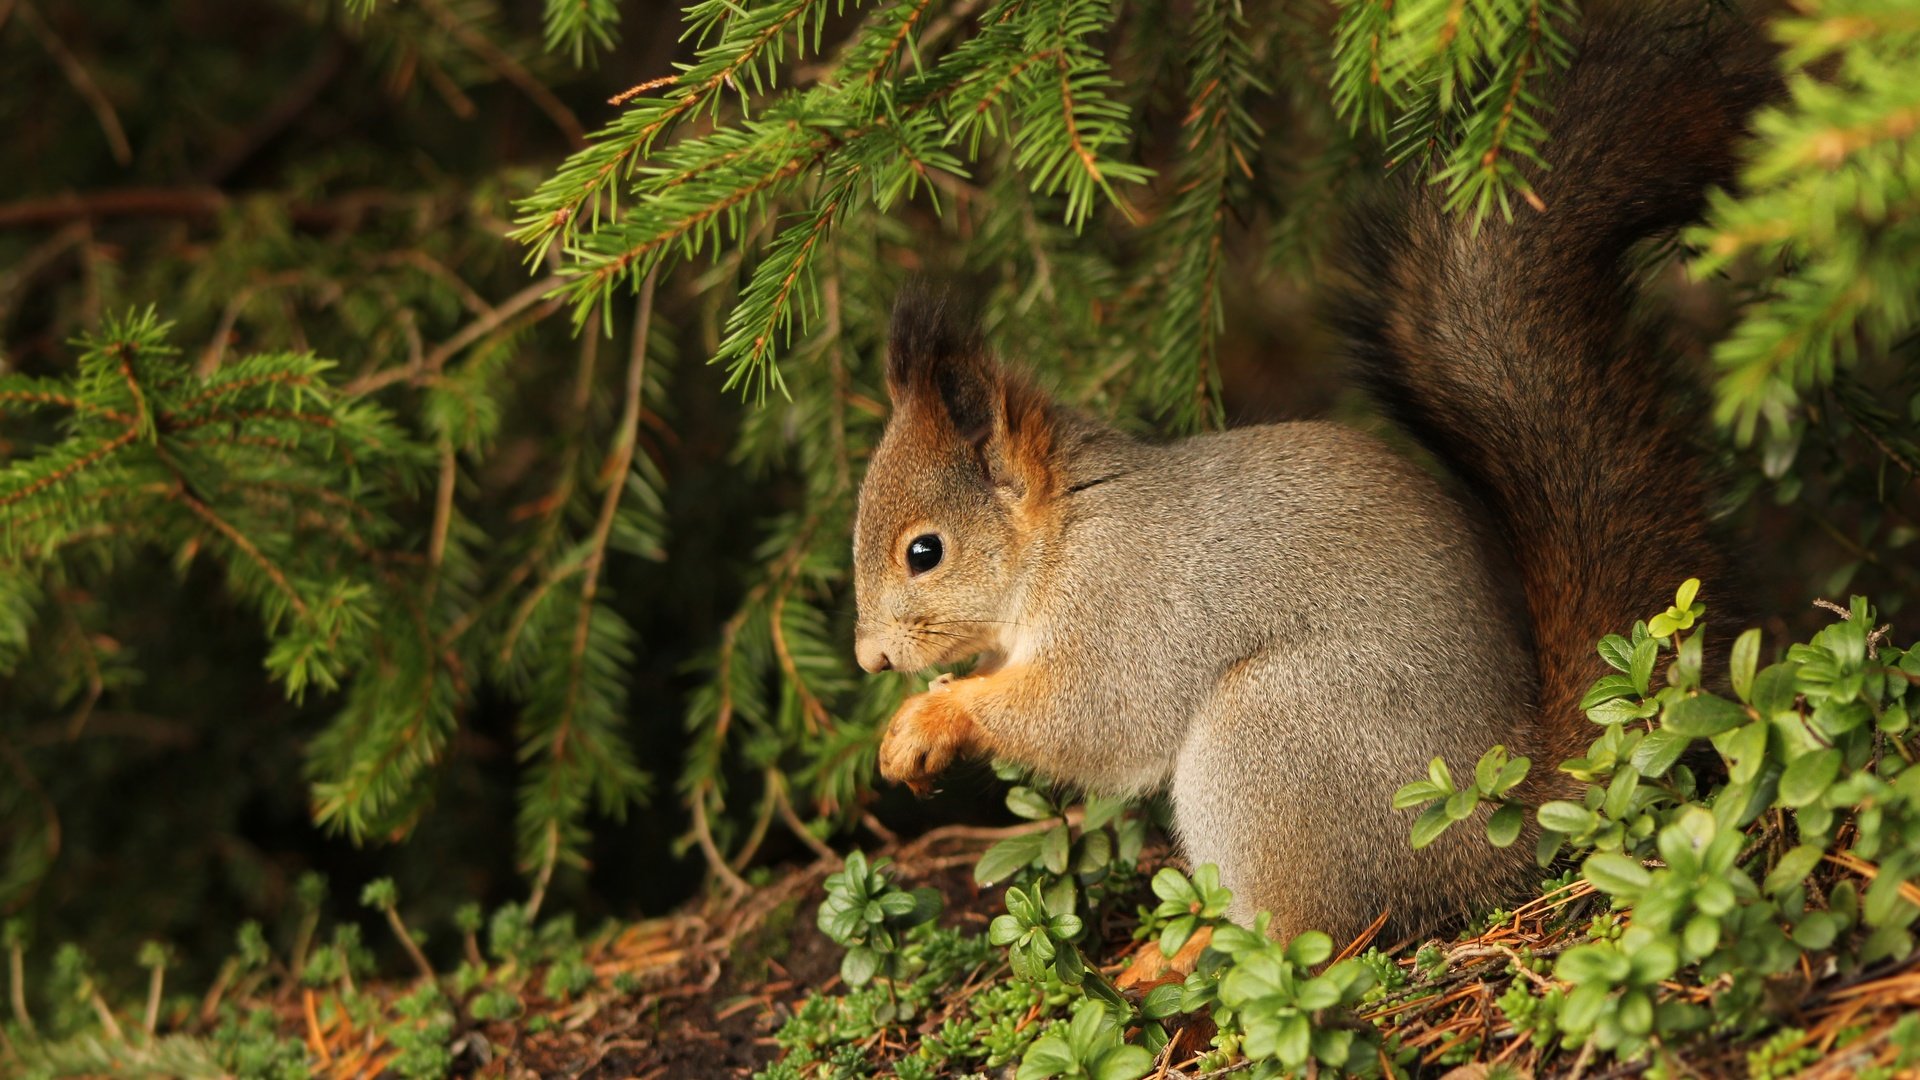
x,y
1171,884
1123,1063
1640,674
1702,716
1029,804
1487,769
1808,776
1294,1042
1701,936
1309,948
1616,874
1416,793
1503,828
1745,749
1007,858
1610,687
1617,652
1316,994
1430,824
1054,849
859,966
1745,657
1566,817
1510,775
1683,598
1442,779
1163,1001
1774,689
1634,1013
1653,961
1599,964
1658,750
1048,1056
1620,711
1817,930
1626,781
1070,966
1460,805
1176,934
1793,868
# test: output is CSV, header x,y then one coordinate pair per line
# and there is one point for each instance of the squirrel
x,y
1279,625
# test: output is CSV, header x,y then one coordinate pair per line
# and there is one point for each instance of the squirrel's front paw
x,y
928,732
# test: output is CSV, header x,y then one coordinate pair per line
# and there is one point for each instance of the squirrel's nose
x,y
871,656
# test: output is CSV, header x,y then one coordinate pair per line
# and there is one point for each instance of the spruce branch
x,y
1829,196
744,54
570,731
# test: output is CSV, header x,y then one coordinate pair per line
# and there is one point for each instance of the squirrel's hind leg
x,y
1289,791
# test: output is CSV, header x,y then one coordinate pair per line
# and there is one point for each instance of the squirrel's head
x,y
956,494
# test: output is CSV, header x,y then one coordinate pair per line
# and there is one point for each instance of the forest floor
x,y
704,992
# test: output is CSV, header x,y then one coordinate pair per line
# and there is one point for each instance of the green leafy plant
x,y
870,917
1089,1046
1186,904
1265,995
1494,776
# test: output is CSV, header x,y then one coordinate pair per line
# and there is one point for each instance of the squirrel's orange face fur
x,y
948,512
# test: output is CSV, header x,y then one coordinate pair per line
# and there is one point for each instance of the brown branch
x,y
899,39
703,834
678,229
319,420
681,106
192,202
787,814
509,69
216,351
436,359
82,82
239,539
442,517
539,894
406,942
427,264
294,100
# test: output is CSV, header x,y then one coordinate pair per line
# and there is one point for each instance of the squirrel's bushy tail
x,y
1511,354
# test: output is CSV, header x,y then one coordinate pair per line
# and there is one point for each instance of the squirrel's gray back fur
x,y
1280,625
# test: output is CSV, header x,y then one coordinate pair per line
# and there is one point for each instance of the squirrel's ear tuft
x,y
936,357
939,366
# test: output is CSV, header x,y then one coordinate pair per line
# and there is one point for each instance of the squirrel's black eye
x,y
923,554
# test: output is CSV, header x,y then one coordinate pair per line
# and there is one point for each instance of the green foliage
x,y
1089,1046
1717,877
1494,776
443,544
1456,84
870,918
1266,992
1829,197
1187,904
